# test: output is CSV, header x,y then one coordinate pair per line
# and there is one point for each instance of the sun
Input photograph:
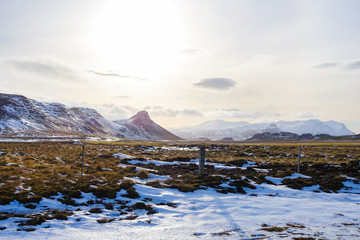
x,y
137,37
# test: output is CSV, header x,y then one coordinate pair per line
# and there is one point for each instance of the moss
x,y
143,174
106,191
105,220
241,184
95,210
298,183
37,220
274,229
61,215
295,225
131,193
131,217
109,206
155,184
68,201
304,238
31,206
30,229
3,217
5,200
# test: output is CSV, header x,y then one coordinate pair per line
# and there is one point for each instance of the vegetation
x,y
30,172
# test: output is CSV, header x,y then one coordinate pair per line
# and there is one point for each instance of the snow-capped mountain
x,y
314,126
219,129
21,116
140,126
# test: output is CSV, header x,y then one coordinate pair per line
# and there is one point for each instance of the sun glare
x,y
137,37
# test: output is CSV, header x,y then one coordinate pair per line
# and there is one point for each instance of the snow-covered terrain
x,y
203,214
219,129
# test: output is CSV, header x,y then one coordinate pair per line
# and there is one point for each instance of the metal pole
x,y
202,160
298,169
82,160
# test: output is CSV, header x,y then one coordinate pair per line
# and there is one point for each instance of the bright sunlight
x,y
137,37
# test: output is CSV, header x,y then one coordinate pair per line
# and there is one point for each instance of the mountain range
x,y
21,116
220,129
24,117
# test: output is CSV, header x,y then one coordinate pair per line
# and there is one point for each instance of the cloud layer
x,y
45,67
342,65
218,84
112,74
167,112
239,113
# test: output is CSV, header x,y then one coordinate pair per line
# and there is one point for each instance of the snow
x,y
122,156
203,214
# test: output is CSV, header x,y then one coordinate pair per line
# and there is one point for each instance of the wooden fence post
x,y
202,160
298,168
82,159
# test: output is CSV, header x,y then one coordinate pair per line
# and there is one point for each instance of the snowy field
x,y
267,212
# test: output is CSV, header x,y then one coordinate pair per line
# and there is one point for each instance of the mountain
x,y
287,136
140,126
21,116
219,129
315,126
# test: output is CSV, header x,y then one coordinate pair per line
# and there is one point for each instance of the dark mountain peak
x,y
141,118
142,114
140,126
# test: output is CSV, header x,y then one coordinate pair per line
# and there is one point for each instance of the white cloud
x,y
306,115
238,113
112,111
327,65
49,68
218,84
114,74
353,65
343,65
167,112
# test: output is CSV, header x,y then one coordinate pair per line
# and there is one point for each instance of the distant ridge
x,y
219,129
287,136
21,116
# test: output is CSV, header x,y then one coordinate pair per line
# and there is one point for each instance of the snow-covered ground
x,y
204,214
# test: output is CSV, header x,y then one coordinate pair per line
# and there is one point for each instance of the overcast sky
x,y
187,61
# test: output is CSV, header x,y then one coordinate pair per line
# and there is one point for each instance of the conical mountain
x,y
140,126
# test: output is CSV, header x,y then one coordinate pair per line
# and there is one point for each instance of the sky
x,y
185,61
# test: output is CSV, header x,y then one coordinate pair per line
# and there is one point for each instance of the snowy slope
x,y
21,116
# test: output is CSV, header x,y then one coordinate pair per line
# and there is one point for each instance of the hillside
x,y
21,116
